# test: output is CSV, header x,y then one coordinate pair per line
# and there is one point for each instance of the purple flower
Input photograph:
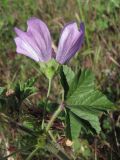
x,y
70,42
36,42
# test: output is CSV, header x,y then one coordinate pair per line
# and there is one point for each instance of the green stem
x,y
49,88
32,153
51,136
57,112
48,93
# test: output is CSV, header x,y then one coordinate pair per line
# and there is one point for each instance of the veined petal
x,y
70,42
35,41
41,36
25,49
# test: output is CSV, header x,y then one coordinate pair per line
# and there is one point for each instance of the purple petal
x,y
70,42
25,49
36,42
41,35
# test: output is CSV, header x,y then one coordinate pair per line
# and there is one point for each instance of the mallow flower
x,y
36,42
70,42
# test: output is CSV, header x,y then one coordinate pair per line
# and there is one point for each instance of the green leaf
x,y
85,101
85,93
67,124
74,84
69,74
64,82
75,125
23,90
85,114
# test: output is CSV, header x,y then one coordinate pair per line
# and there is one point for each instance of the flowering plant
x,y
81,104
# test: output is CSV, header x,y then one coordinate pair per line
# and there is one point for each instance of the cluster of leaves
x,y
83,106
13,98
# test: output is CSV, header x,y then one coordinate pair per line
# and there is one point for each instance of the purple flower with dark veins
x,y
36,42
70,42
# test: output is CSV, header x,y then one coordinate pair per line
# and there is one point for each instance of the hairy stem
x,y
48,93
49,88
57,112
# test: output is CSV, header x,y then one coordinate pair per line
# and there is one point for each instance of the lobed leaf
x,y
85,102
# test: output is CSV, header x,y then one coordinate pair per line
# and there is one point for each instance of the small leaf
x,y
23,90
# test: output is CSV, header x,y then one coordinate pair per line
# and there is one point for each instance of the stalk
x,y
48,93
55,115
49,88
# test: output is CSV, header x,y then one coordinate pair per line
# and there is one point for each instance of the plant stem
x,y
49,88
32,154
51,136
48,93
57,112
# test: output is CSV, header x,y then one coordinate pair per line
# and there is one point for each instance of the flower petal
x,y
25,49
70,42
36,41
41,36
